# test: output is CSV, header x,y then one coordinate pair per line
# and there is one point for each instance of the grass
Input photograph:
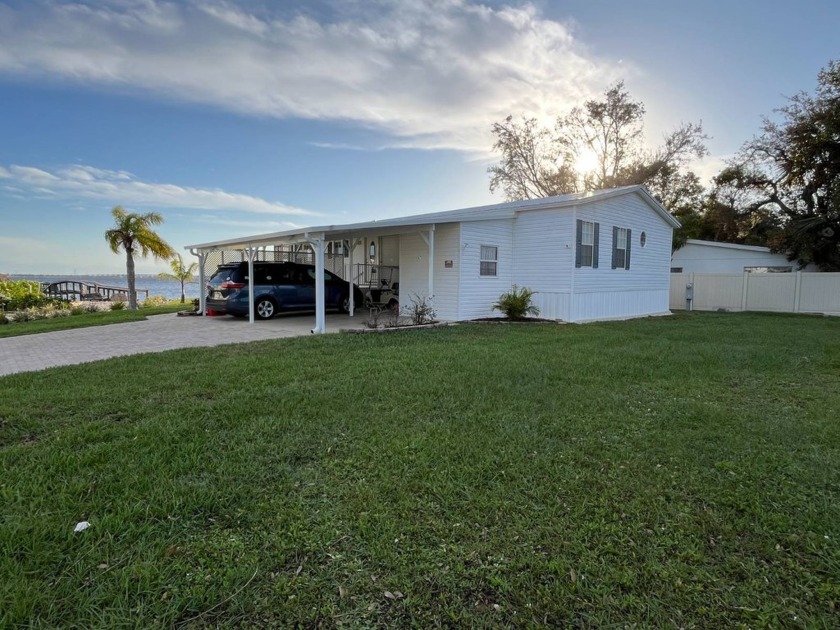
x,y
680,472
88,319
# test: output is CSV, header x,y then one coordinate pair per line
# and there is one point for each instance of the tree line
x,y
781,190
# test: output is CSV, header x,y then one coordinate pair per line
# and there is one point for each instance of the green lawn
x,y
678,472
87,319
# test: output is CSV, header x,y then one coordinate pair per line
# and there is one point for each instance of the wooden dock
x,y
77,291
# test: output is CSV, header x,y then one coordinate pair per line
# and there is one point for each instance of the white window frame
x,y
587,229
621,246
484,259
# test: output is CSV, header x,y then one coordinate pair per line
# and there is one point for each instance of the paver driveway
x,y
28,353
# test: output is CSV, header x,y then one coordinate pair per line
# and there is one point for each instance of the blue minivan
x,y
278,286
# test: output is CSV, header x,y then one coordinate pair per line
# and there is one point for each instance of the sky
x,y
244,117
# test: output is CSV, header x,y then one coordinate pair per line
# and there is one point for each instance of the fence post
x,y
797,291
693,291
745,291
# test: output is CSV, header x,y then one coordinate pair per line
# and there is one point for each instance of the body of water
x,y
170,289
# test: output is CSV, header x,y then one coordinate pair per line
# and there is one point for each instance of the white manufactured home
x,y
592,256
698,256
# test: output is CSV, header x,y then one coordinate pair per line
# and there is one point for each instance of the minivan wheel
x,y
344,305
265,308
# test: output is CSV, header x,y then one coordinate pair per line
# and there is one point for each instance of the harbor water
x,y
170,289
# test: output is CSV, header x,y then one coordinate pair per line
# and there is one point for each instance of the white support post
x,y
349,244
431,264
202,290
320,306
429,239
251,251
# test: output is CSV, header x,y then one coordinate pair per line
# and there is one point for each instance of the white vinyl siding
x,y
544,245
414,269
478,292
601,293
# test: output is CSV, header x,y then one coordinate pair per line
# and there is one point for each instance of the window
x,y
586,253
328,277
621,248
642,239
676,269
336,248
489,260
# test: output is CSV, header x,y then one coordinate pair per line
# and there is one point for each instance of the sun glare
x,y
586,161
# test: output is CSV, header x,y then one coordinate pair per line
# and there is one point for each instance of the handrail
x,y
70,289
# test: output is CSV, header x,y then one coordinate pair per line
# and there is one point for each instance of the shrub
x,y
118,305
420,310
23,315
155,300
49,311
20,294
516,303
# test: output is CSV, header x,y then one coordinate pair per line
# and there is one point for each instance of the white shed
x,y
698,256
589,256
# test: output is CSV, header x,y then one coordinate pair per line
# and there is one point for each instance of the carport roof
x,y
411,223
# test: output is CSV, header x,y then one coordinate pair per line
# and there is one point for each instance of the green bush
x,y
20,294
117,306
517,303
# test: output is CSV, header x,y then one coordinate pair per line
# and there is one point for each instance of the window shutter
x,y
627,253
595,248
579,240
615,247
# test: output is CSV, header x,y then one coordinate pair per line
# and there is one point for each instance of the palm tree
x,y
180,272
133,233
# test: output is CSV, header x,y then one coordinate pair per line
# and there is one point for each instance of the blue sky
x,y
233,118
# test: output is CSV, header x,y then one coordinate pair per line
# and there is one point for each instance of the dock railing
x,y
78,291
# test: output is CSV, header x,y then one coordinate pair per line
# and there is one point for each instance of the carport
x,y
350,235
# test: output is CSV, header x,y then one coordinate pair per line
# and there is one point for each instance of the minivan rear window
x,y
233,274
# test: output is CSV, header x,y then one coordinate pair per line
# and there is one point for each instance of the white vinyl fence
x,y
799,292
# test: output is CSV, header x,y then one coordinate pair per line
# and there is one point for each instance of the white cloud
x,y
429,73
86,182
257,227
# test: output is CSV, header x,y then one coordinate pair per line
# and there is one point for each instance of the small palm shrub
x,y
119,305
517,303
